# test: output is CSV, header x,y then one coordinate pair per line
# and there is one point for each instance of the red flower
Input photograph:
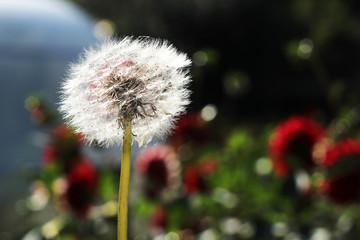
x,y
189,128
63,148
159,168
50,154
193,181
194,177
62,133
82,183
342,160
292,144
158,219
208,166
38,115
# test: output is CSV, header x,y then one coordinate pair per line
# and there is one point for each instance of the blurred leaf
x,y
108,188
50,174
143,208
176,217
239,140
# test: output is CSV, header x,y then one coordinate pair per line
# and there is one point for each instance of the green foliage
x,y
108,185
143,208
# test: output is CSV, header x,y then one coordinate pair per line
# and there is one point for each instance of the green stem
x,y
124,184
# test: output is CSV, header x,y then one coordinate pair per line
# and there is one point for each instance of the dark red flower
x,y
158,219
292,144
62,133
189,128
193,181
38,115
208,166
63,148
342,161
82,183
159,168
50,155
340,151
194,176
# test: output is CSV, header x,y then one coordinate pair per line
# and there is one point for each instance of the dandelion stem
x,y
124,184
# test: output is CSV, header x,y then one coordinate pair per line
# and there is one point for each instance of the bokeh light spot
x,y
31,103
32,235
246,230
208,234
209,112
109,209
51,229
206,57
231,226
321,234
59,186
279,229
344,223
172,236
200,58
104,28
226,198
236,84
302,180
263,166
39,197
305,48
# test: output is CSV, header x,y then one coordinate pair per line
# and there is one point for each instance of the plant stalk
x,y
124,184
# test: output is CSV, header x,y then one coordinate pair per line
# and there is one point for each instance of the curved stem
x,y
124,184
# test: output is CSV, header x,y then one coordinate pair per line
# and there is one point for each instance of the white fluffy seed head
x,y
142,80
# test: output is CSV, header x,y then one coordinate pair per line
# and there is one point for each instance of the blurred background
x,y
269,148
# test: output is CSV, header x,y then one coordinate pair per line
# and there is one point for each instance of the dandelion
x,y
122,91
141,80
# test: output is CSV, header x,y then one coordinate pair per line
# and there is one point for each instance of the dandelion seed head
x,y
139,80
